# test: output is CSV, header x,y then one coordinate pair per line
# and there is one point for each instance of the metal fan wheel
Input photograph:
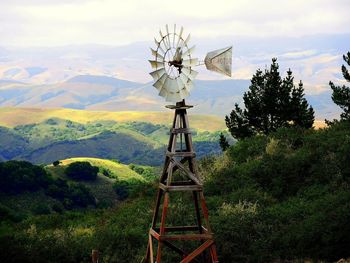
x,y
173,74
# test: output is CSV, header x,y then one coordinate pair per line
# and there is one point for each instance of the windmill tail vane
x,y
220,61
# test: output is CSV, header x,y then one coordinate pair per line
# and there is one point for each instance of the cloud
x,y
116,22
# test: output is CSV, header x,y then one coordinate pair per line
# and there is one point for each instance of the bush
x,y
58,207
41,209
73,195
122,189
19,176
298,183
81,171
56,163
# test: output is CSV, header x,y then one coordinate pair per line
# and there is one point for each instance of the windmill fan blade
x,y
159,84
180,37
188,51
173,97
181,82
220,61
187,40
183,77
168,35
157,74
171,85
155,52
156,41
161,50
163,92
161,34
184,93
174,35
157,55
191,74
156,64
190,62
189,85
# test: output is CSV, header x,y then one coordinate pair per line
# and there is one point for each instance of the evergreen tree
x,y
302,114
270,103
341,94
223,142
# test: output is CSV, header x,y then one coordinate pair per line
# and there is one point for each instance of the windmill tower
x,y
188,233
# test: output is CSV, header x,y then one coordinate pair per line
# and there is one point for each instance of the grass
x,y
11,116
115,169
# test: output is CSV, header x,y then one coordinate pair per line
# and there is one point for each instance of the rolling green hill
x,y
107,145
53,139
102,187
115,169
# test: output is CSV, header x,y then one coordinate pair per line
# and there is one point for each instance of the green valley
x,y
130,137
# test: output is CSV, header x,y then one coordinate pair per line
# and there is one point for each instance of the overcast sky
x,y
116,22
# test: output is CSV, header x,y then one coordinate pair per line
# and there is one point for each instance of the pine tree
x,y
341,94
301,113
270,103
223,142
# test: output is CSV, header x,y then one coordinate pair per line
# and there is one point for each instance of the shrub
x,y
41,209
58,207
122,189
19,176
81,171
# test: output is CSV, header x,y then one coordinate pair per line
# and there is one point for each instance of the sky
x,y
116,22
65,38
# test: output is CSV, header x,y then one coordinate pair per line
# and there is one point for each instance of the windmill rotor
x,y
173,63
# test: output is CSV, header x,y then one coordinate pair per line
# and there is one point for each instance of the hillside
x,y
103,93
29,190
277,198
11,116
115,170
53,139
109,172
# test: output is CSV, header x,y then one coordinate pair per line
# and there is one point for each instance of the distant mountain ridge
x,y
111,94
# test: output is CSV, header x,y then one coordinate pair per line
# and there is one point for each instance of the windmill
x,y
173,76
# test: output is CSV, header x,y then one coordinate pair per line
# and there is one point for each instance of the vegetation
x,y
274,196
11,117
27,189
341,94
19,176
279,194
223,142
270,103
277,197
81,171
110,173
129,142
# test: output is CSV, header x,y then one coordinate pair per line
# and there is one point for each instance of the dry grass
x,y
10,117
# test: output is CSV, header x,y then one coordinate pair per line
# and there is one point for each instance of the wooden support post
x,y
94,256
